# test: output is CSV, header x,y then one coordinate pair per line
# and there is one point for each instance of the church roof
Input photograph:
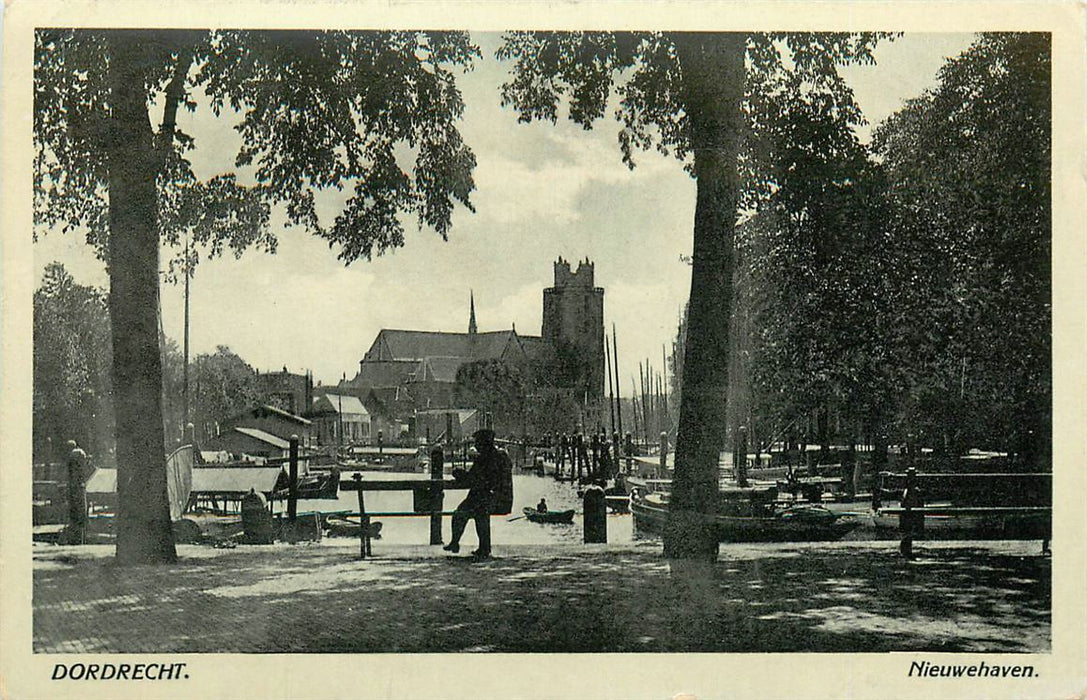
x,y
439,369
383,373
397,345
533,345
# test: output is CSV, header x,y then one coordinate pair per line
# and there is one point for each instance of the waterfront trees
x,y
72,359
493,387
968,167
317,111
691,95
223,385
906,289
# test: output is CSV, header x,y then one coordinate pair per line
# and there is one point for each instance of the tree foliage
x,y
316,111
72,387
968,166
786,73
319,111
221,386
494,387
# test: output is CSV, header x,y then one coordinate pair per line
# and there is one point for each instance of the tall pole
x,y
667,409
663,405
611,393
618,389
645,402
634,405
185,359
639,399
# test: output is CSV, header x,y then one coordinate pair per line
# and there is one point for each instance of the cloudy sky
x,y
542,192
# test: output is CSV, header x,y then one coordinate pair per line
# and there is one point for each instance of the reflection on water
x,y
528,489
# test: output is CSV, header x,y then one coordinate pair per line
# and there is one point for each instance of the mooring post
x,y
437,467
292,485
663,455
595,515
380,440
579,451
910,523
594,445
740,457
77,495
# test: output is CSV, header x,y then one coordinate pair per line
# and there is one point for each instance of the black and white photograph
x,y
586,342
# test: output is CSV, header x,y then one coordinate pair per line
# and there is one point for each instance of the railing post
x,y
909,522
437,467
364,520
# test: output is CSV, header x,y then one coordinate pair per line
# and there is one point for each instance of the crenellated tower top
x,y
582,277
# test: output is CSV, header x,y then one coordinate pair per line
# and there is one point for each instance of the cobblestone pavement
x,y
319,597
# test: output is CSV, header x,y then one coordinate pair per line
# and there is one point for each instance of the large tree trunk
x,y
143,519
713,78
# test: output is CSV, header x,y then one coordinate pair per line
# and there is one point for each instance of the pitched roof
x,y
533,346
416,345
439,369
341,403
264,410
258,434
491,346
400,345
383,373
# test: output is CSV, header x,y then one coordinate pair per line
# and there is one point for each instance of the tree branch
x,y
175,91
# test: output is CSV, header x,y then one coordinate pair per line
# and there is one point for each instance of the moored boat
x,y
747,515
338,526
550,516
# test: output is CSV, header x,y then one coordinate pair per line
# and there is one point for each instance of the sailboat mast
x,y
618,389
611,392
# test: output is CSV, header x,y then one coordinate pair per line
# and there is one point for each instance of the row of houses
x,y
334,420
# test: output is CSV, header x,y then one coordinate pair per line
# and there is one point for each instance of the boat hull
x,y
562,517
651,519
973,527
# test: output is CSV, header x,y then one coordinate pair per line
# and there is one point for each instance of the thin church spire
x,y
472,313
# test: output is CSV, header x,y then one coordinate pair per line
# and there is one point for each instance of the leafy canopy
x,y
324,110
786,73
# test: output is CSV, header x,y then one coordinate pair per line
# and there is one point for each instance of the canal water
x,y
528,489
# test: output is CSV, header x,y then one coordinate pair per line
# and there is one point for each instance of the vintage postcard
x,y
543,350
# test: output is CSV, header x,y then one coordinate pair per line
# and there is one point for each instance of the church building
x,y
567,357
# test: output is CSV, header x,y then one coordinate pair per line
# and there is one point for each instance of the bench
x,y
977,506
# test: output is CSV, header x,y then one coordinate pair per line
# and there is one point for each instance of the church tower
x,y
573,330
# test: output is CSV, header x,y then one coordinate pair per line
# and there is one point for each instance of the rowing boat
x,y
550,516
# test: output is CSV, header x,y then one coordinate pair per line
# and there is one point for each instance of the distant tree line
x,y
73,388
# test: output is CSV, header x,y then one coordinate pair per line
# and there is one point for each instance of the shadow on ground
x,y
845,597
